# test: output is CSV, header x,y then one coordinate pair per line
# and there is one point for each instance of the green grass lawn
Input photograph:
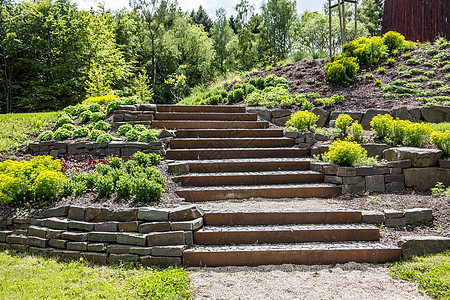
x,y
431,274
29,277
16,129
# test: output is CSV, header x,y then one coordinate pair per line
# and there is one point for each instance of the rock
x,y
55,223
75,236
375,149
290,134
57,243
332,179
346,171
323,116
444,163
316,166
118,249
418,215
395,222
54,234
399,164
116,259
76,213
123,215
364,171
128,226
189,238
96,258
141,251
404,114
355,115
330,169
18,247
178,168
280,121
146,107
77,246
373,217
354,188
160,261
65,254
166,238
4,234
395,186
420,158
131,239
320,148
279,113
40,251
94,214
97,247
108,237
394,178
368,116
392,213
375,183
154,227
37,242
168,250
436,114
381,170
353,180
153,214
164,133
185,213
60,211
37,231
106,226
126,107
263,113
187,225
78,225
426,178
423,245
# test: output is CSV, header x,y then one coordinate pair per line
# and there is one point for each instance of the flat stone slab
x,y
426,178
420,158
423,245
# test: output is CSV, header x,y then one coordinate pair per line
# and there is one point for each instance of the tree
x,y
201,17
278,16
245,35
221,35
371,14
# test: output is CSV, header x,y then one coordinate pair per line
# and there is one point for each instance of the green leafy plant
x,y
104,137
342,124
441,140
81,131
345,153
115,162
63,119
355,131
97,116
302,121
382,125
102,125
61,134
342,70
85,116
393,40
439,190
124,187
122,130
145,190
45,136
94,134
417,135
144,160
148,135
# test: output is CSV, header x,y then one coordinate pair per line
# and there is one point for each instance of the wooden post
x,y
340,22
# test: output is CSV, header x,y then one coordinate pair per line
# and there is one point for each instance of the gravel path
x,y
345,281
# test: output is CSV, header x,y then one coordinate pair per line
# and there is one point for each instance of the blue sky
x,y
209,5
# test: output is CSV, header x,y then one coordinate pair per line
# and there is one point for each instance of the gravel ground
x,y
345,281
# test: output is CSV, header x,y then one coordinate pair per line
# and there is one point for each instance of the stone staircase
x,y
232,155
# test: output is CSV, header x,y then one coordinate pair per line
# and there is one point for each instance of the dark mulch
x,y
406,199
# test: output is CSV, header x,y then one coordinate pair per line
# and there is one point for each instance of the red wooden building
x,y
417,20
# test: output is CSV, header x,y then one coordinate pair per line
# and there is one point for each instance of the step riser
x,y
298,257
201,108
230,154
230,133
210,124
206,116
295,236
281,218
252,179
225,143
248,167
273,193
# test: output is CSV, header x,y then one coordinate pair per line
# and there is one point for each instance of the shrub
x,y
432,52
133,167
145,190
381,70
393,40
63,119
398,131
382,125
342,71
94,134
441,140
302,121
104,185
85,116
124,129
45,136
153,174
342,123
46,185
417,135
144,160
115,162
236,96
355,131
132,135
104,137
148,135
345,153
81,131
61,134
124,187
103,100
97,116
102,125
257,82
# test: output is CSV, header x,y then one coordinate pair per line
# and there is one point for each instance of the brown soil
x,y
308,76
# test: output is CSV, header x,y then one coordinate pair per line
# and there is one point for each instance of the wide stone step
x,y
239,218
193,143
230,153
201,194
251,178
209,124
248,165
301,254
228,133
206,116
275,234
201,108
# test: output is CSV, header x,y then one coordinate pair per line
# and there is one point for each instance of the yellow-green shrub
x,y
37,179
302,121
355,131
382,125
345,153
393,40
102,100
342,71
343,122
441,140
417,135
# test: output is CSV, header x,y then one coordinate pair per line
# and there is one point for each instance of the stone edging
x,y
143,235
398,218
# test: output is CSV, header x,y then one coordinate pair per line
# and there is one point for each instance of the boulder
x,y
355,115
426,178
403,113
185,213
263,113
418,215
436,114
420,158
374,149
323,116
423,245
279,113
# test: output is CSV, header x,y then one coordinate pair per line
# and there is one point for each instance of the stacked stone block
x,y
145,235
134,114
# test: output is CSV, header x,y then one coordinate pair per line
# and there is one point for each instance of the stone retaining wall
x,y
432,114
398,218
97,150
133,114
144,235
